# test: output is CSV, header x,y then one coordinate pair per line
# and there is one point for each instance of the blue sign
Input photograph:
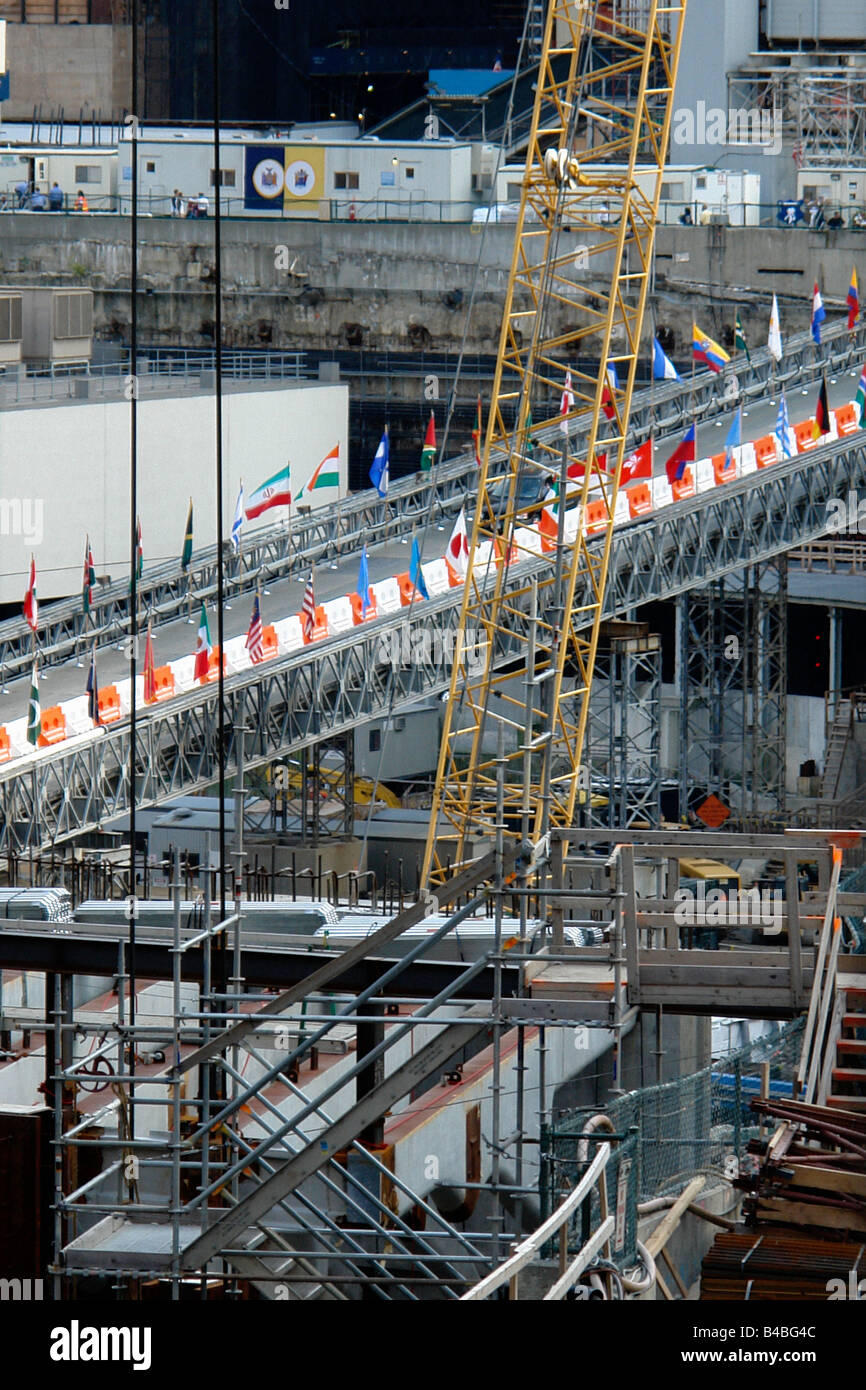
x,y
387,178
264,177
4,86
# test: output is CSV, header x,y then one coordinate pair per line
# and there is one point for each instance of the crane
x,y
519,696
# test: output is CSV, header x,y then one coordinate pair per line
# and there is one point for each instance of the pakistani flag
x,y
428,452
740,344
34,712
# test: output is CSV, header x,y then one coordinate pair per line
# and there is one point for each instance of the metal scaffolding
x,y
822,109
624,733
732,662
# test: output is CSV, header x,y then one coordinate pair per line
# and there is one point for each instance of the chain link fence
x,y
666,1135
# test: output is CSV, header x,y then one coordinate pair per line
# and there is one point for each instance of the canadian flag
x,y
457,553
638,465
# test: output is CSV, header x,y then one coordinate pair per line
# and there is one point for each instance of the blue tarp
x,y
465,82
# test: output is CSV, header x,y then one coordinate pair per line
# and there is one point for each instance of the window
x,y
346,179
88,173
410,173
375,740
150,166
673,192
10,318
227,178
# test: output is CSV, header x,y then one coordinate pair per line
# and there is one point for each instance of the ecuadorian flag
x,y
853,300
705,350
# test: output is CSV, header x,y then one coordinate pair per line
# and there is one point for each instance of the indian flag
x,y
276,492
203,648
324,476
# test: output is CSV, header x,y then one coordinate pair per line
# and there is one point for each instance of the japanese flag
x,y
457,553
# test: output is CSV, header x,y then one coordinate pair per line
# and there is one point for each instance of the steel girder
x,y
385,666
327,533
624,733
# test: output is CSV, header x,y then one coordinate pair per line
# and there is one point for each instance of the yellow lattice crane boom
x,y
577,291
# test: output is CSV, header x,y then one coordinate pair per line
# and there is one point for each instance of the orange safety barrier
x,y
683,487
512,553
53,726
5,745
358,615
454,579
765,450
320,624
597,515
548,525
163,683
270,642
640,500
213,670
108,703
407,589
846,419
723,474
804,433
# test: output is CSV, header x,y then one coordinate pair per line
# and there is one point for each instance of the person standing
x,y
55,197
202,205
81,202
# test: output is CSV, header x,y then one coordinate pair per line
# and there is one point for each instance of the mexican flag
x,y
428,452
323,476
275,492
203,648
34,712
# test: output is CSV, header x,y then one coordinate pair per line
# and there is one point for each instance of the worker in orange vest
x,y
81,202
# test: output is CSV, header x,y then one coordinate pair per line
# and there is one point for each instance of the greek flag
x,y
783,429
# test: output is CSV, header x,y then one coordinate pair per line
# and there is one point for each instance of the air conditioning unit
x,y
57,324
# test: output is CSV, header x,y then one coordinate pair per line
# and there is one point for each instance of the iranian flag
x,y
276,492
428,452
323,476
203,648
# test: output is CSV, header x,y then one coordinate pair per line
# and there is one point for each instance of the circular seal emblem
x,y
268,178
300,178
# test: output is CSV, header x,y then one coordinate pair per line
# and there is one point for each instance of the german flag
x,y
822,411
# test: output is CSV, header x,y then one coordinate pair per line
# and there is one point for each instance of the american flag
x,y
254,636
308,610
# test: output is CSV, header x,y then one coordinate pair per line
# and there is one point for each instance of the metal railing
x,y
159,369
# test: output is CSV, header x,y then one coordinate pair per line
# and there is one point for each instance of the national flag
x,y
819,313
577,469
89,579
253,643
774,339
476,433
308,610
139,550
428,450
663,367
149,670
822,411
31,607
740,344
186,555
684,453
706,350
238,522
860,400
322,478
92,690
783,431
853,300
416,574
275,491
638,464
379,466
528,442
611,384
364,581
566,404
203,648
458,547
734,439
34,712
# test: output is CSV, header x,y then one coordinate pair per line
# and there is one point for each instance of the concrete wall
x,y
69,65
805,724
70,462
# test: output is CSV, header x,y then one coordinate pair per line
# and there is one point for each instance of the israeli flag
x,y
238,521
379,467
783,430
663,367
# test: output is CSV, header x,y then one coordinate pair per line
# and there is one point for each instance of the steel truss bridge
x,y
327,534
383,667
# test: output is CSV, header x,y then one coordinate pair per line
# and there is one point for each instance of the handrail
x,y
529,1248
823,989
